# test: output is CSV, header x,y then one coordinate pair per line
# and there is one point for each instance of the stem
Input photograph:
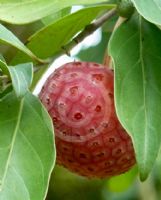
x,y
4,82
4,78
88,30
119,22
39,60
107,59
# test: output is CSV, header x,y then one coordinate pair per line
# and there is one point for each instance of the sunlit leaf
x,y
56,16
27,150
149,9
136,51
50,40
7,37
21,76
25,11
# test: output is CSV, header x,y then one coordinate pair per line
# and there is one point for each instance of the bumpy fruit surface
x,y
89,138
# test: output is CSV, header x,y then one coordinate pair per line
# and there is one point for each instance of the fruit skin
x,y
90,141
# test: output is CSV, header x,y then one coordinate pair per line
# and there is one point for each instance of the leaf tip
x,y
143,176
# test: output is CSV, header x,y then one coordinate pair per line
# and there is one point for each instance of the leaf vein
x,y
12,144
33,149
145,142
20,177
124,44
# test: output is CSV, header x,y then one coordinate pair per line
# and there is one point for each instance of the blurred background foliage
x,y
65,185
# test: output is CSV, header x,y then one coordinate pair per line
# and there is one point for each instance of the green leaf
x,y
135,48
38,75
20,12
109,25
5,85
2,58
149,9
122,182
95,53
4,67
56,16
8,37
21,76
26,148
5,91
157,167
49,40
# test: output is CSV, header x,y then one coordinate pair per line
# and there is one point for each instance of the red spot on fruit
x,y
55,119
74,90
88,99
73,75
98,108
78,116
91,130
98,77
90,140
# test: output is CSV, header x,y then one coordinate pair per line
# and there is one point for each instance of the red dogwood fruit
x,y
89,138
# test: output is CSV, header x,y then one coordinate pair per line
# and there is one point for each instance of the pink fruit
x,y
89,138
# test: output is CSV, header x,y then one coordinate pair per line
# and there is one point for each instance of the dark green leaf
x,y
21,76
26,148
157,171
5,83
109,25
2,58
149,9
4,67
5,91
136,51
95,53
25,11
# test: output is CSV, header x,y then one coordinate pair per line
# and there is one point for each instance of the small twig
x,y
107,59
4,82
4,77
39,60
89,29
119,22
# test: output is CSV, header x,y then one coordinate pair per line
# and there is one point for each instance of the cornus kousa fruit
x,y
89,138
